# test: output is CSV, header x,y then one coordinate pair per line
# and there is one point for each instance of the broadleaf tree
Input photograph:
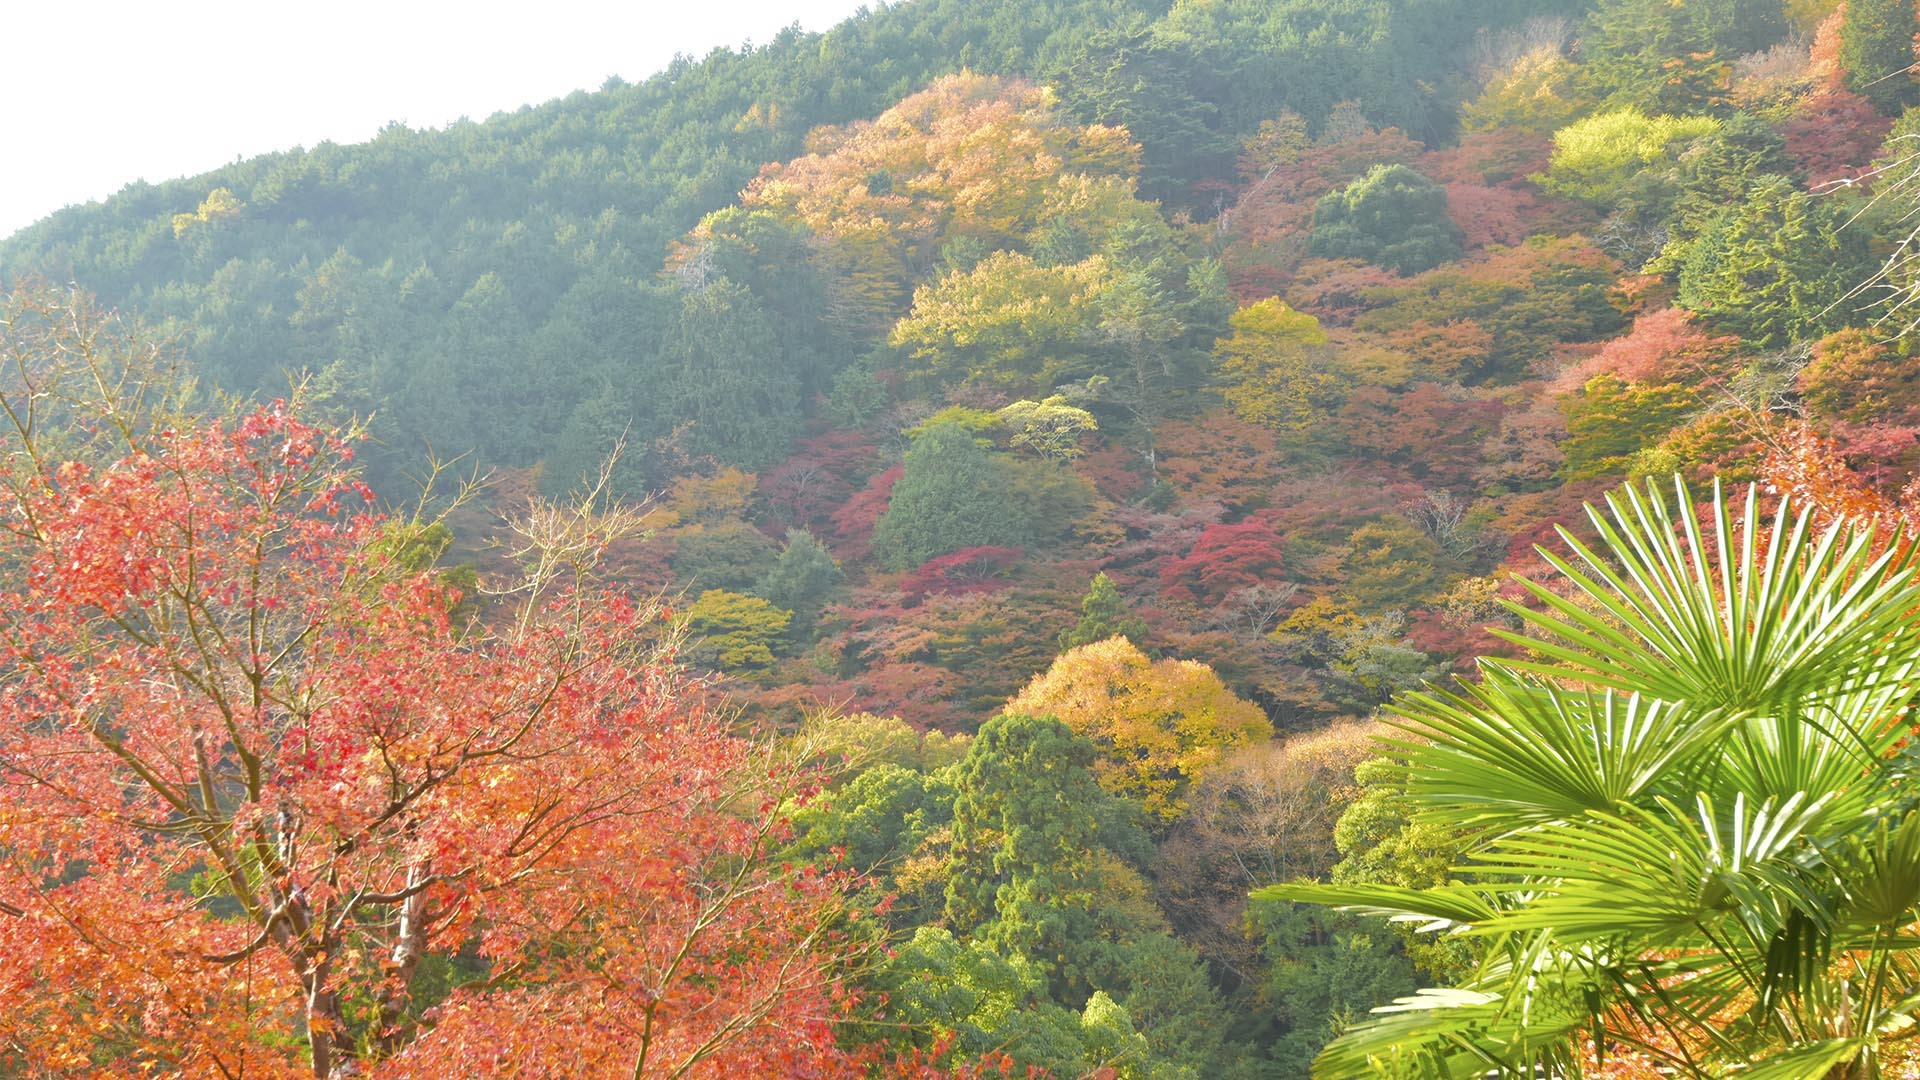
x,y
268,811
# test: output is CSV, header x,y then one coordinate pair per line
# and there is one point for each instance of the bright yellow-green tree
x,y
1008,320
734,632
1598,157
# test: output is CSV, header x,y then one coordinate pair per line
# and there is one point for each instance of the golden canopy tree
x,y
970,156
1158,723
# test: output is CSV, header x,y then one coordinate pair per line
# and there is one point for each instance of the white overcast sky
x,y
95,95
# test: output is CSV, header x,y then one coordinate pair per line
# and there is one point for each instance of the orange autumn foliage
x,y
1811,468
266,810
970,156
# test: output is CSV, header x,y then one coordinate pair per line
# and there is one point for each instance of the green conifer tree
x,y
1025,827
802,574
1876,49
728,375
1103,614
952,495
1655,55
1773,267
1392,217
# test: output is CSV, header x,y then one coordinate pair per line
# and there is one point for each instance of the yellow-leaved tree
x,y
1158,724
1276,366
1009,320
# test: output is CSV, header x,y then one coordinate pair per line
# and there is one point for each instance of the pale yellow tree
x,y
219,205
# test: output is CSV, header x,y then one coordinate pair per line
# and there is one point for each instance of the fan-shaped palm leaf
x,y
1689,817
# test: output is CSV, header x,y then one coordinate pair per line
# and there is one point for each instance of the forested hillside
x,y
1053,431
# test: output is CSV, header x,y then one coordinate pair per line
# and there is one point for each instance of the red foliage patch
x,y
806,489
1663,347
1116,472
1500,215
1501,157
1439,635
1218,457
1433,432
974,569
853,523
1224,560
1835,136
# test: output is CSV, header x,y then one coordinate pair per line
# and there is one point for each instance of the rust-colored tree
x,y
265,810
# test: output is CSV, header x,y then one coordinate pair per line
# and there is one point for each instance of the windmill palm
x,y
1689,822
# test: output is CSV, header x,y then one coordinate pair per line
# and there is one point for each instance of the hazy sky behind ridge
x,y
97,95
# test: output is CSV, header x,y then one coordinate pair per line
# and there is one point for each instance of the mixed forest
x,y
1011,538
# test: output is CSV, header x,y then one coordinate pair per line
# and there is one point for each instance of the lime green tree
x,y
1391,563
968,996
1607,158
1051,428
1007,320
1611,420
1537,92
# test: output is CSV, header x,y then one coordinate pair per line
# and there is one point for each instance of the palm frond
x,y
1719,624
1689,816
1447,908
1809,1061
1519,751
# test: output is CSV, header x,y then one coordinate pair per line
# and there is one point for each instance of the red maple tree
x,y
974,569
267,810
1225,559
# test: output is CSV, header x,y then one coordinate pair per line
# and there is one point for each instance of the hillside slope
x,y
1152,390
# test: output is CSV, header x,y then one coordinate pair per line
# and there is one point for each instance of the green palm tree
x,y
1689,822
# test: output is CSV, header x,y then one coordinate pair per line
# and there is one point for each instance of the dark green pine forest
x,y
1253,509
